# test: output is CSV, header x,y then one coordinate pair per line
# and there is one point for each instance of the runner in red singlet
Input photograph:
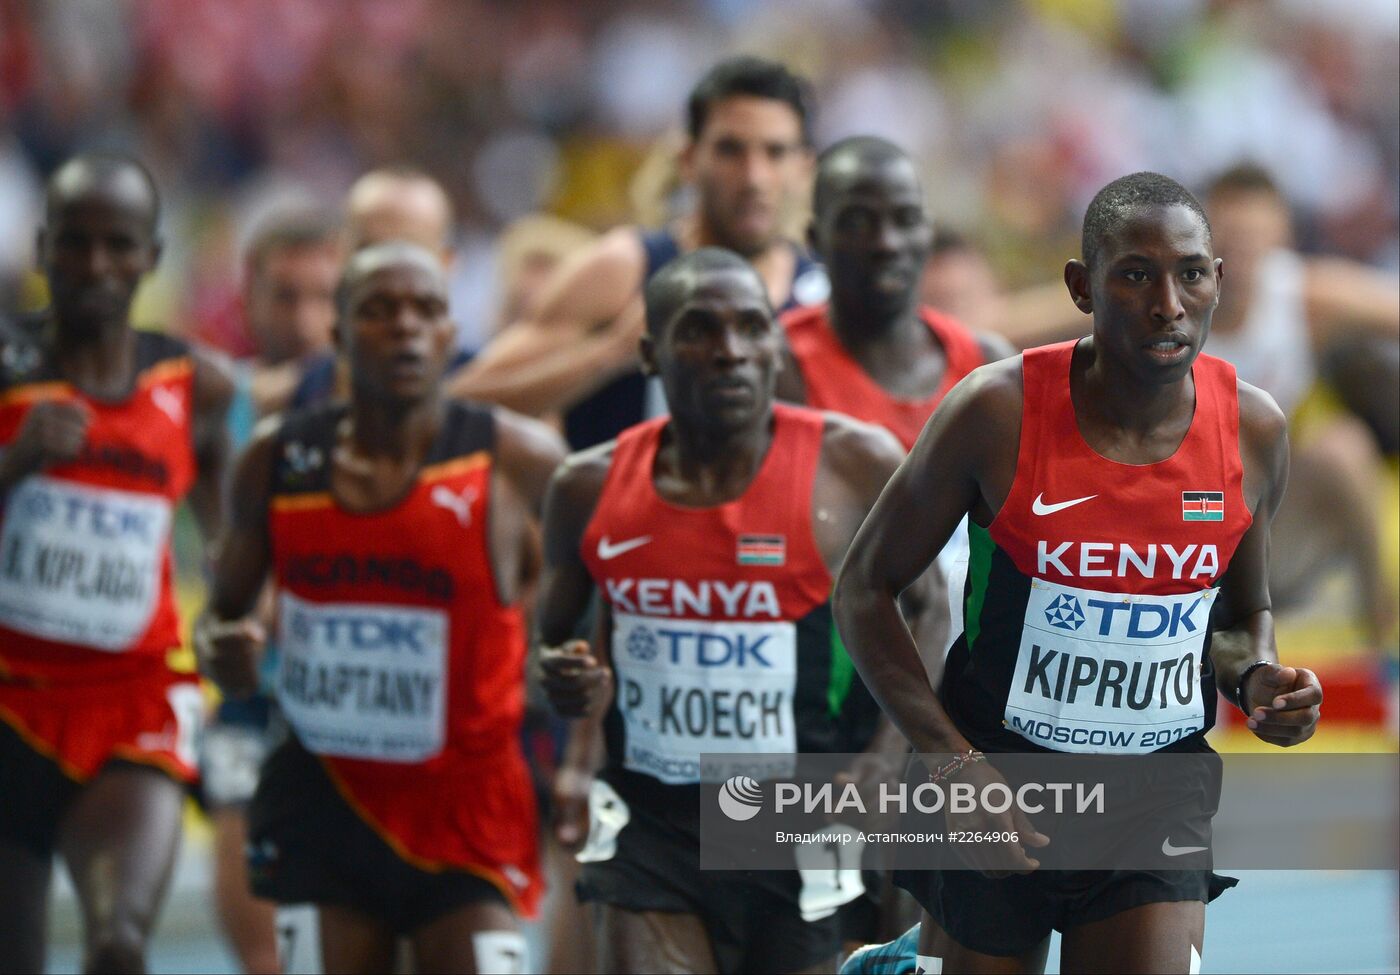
x,y
103,431
1143,487
397,529
873,352
711,537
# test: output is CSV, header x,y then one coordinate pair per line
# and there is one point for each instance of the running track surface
x,y
1274,921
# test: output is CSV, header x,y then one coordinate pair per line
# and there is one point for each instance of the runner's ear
x,y
1077,281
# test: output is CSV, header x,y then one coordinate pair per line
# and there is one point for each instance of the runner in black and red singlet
x,y
1118,575
103,431
397,531
711,536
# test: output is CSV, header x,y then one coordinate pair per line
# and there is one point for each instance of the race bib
x,y
81,564
688,686
1107,672
364,680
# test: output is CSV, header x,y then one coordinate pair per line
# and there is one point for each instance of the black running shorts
x,y
753,917
306,845
1011,915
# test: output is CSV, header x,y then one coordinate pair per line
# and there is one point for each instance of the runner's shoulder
x,y
528,451
578,481
214,382
1263,429
854,445
991,394
1261,418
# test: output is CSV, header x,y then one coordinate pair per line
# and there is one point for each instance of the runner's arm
x,y
229,637
915,516
213,392
584,332
1341,294
575,676
1243,623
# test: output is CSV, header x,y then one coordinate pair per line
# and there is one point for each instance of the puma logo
x,y
459,503
169,402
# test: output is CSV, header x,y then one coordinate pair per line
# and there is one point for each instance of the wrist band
x,y
956,764
1239,688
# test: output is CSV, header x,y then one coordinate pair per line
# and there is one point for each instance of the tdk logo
x,y
1148,621
359,632
1065,612
642,644
698,649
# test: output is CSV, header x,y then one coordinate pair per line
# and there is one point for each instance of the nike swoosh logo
x,y
1176,851
1041,508
609,551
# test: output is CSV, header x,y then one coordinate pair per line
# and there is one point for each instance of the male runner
x,y
1078,464
747,155
707,532
873,352
290,271
397,530
103,430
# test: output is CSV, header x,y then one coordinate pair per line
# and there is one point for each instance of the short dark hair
x,y
1244,178
104,163
290,230
755,77
1121,198
375,257
868,149
670,285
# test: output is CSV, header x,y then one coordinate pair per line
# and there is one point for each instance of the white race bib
x,y
688,686
81,564
1108,672
364,680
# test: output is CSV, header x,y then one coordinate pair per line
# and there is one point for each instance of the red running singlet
x,y
87,604
1089,597
400,667
835,381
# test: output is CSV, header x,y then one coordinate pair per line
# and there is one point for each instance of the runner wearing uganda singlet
x,y
1119,573
711,537
396,530
103,431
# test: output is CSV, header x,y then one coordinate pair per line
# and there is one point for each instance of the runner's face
x,y
399,333
718,355
1155,287
873,237
291,302
96,248
746,164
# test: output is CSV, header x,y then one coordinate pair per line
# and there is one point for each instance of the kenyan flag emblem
x,y
1202,505
762,550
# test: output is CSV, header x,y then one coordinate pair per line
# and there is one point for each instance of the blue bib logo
x,y
1065,613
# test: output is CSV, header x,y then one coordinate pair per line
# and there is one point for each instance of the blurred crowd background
x,y
1018,111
